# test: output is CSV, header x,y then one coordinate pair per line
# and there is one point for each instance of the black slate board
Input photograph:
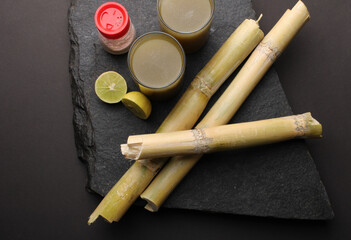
x,y
279,180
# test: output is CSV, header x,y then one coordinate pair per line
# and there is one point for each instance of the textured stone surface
x,y
279,180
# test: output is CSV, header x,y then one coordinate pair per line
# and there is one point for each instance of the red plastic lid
x,y
112,20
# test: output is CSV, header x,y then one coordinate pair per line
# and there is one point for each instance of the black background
x,y
42,194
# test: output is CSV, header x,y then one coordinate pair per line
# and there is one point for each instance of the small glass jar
x,y
189,21
116,31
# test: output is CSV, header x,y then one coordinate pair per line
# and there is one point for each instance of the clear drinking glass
x,y
189,21
156,61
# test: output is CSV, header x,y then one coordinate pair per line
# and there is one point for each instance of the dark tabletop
x,y
42,183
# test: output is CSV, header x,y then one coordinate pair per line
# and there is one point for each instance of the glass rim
x,y
198,30
155,33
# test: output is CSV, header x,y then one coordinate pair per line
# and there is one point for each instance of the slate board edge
x,y
81,117
80,111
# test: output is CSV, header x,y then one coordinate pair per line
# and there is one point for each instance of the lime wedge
x,y
110,87
138,104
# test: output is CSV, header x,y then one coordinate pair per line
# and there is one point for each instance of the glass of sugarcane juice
x,y
156,61
189,21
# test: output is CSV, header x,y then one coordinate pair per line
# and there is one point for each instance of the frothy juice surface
x,y
157,61
185,15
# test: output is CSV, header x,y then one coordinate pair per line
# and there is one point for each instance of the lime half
x,y
138,104
110,87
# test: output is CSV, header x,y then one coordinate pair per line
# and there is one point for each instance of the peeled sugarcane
x,y
221,138
183,116
227,105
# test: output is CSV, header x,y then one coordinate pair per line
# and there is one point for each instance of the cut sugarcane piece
x,y
221,138
183,116
227,105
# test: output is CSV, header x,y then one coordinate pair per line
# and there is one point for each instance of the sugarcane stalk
x,y
183,116
227,105
221,138
232,53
